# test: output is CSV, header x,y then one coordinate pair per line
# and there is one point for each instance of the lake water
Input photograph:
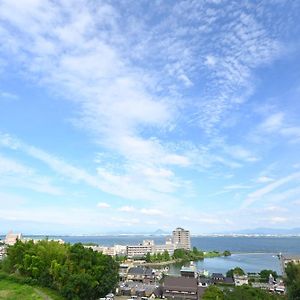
x,y
250,253
239,244
249,262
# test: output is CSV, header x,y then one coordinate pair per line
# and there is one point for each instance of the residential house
x,y
180,288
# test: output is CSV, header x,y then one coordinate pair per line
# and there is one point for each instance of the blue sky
x,y
136,115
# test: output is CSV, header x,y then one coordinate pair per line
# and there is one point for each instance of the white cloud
x,y
127,209
273,122
103,205
151,212
210,60
17,175
260,193
277,220
237,187
264,179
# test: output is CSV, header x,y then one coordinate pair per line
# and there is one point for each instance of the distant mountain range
x,y
265,230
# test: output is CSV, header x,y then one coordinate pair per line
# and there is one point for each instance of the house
x,y
123,269
180,288
204,281
188,271
240,280
140,274
228,280
217,278
138,289
220,278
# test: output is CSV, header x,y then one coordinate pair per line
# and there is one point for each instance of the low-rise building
x,y
240,280
11,238
112,251
168,246
295,259
204,281
217,277
140,250
140,274
188,271
180,288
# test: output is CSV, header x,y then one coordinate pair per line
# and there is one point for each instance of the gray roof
x,y
180,283
140,271
204,280
228,280
217,275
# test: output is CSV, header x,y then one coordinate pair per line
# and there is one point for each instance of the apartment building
x,y
181,239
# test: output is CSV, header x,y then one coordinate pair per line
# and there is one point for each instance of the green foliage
x,y
236,271
120,258
11,290
264,274
187,255
293,281
226,253
248,293
75,271
158,257
148,257
213,293
238,293
181,255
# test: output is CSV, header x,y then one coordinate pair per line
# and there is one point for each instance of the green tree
x,y
264,274
226,253
213,293
75,271
248,293
195,251
236,271
180,253
166,256
148,257
293,281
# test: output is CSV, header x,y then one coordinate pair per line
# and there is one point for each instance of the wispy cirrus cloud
x,y
262,192
17,175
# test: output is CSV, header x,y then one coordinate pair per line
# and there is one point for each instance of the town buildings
x,y
285,259
141,250
11,238
112,251
140,274
181,239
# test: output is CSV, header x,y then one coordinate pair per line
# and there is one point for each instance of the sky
x,y
130,116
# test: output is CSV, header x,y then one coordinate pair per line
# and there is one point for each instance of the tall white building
x,y
181,239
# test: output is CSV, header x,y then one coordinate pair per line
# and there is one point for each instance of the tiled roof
x,y
180,283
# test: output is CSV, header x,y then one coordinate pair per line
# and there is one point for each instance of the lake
x,y
249,262
240,244
250,253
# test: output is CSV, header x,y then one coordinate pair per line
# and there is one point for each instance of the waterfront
x,y
249,262
239,244
250,253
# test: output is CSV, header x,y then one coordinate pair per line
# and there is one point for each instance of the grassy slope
x,y
15,291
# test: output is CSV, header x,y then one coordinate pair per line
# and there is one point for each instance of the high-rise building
x,y
181,239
